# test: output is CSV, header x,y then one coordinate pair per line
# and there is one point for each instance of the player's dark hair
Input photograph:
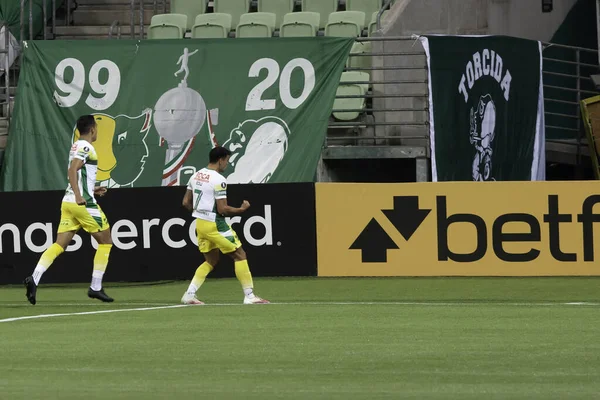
x,y
85,123
218,153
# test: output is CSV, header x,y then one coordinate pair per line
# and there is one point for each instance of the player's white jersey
x,y
86,176
207,186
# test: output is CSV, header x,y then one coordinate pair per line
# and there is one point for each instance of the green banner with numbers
x,y
161,105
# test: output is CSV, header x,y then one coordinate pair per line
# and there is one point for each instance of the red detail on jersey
x,y
202,177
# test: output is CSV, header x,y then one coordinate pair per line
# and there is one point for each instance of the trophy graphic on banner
x,y
179,114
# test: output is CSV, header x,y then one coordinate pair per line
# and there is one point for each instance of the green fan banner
x,y
486,108
161,105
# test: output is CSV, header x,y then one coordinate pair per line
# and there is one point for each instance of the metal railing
x,y
384,7
137,7
382,120
115,25
5,99
27,15
27,8
567,81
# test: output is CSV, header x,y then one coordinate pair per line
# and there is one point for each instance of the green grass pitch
x,y
324,338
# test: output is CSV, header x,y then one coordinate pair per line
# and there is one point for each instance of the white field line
x,y
349,303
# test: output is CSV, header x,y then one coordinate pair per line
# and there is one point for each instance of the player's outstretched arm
x,y
226,210
187,200
75,166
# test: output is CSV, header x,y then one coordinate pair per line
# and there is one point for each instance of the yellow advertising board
x,y
458,229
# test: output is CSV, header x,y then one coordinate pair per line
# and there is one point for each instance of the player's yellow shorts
x,y
215,235
90,218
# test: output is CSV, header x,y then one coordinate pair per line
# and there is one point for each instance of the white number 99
x,y
74,89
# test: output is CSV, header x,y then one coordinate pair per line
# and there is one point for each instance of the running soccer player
x,y
79,210
206,197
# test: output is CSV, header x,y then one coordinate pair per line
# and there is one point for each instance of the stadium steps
x,y
415,84
12,90
92,19
3,132
3,137
105,15
5,108
95,32
112,3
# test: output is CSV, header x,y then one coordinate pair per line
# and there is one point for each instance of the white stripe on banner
x,y
434,176
538,165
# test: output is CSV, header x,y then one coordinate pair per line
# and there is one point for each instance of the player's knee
x,y
239,255
212,261
104,237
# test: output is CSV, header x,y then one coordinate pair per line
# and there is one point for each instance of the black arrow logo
x,y
406,215
374,243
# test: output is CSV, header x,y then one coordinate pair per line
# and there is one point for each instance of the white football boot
x,y
191,299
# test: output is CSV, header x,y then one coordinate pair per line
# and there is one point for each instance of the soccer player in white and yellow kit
x,y
206,197
79,210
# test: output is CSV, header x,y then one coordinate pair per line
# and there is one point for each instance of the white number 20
x,y
254,102
108,91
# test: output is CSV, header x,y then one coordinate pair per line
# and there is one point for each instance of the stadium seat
x,y
277,7
323,7
353,89
211,26
191,8
167,26
233,7
257,24
373,23
366,6
345,24
360,61
300,24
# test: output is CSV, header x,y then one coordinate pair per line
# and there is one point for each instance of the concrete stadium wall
x,y
524,18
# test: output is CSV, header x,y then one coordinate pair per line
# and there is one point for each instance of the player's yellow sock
x,y
50,255
242,272
201,272
46,261
100,263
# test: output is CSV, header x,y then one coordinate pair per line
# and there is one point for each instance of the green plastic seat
x,y
167,26
278,7
345,24
211,26
255,25
323,7
191,8
233,7
363,61
300,24
354,89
